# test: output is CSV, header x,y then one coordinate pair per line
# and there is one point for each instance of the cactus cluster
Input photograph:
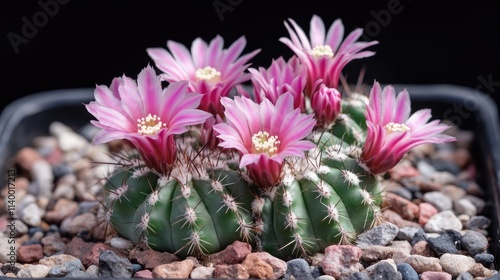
x,y
206,202
291,167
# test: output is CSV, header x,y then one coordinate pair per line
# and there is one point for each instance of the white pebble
x,y
32,215
439,200
443,221
42,175
121,243
68,139
455,264
465,206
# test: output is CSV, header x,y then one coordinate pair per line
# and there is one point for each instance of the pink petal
x,y
317,31
335,35
198,50
182,55
149,87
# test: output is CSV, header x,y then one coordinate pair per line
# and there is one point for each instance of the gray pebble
x,y
478,222
484,259
448,242
425,168
384,270
358,276
136,267
379,235
465,276
65,268
474,242
419,236
80,274
298,269
407,233
113,266
407,272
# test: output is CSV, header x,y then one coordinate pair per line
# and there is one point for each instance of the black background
x,y
86,43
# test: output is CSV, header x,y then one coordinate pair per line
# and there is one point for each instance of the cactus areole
x,y
291,168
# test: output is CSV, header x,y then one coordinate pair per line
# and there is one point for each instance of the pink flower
x,y
210,69
146,115
280,77
265,134
325,56
392,132
326,103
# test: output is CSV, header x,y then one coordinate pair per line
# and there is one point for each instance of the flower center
x,y
208,74
322,50
149,125
263,143
396,127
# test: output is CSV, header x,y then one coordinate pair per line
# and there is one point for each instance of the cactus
x,y
195,210
212,168
324,199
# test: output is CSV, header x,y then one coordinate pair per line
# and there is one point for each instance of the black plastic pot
x,y
30,116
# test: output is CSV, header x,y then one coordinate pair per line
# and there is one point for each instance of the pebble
x,y
474,242
201,272
407,233
443,221
455,264
439,200
113,266
33,271
464,206
121,243
478,222
32,215
258,268
379,235
435,275
448,242
298,269
484,258
179,269
422,264
341,260
29,253
224,271
407,272
384,270
65,268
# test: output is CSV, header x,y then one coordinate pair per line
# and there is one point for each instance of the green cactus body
x,y
355,106
321,201
347,129
196,217
326,198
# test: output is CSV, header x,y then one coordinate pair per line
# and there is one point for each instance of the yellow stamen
x,y
149,125
396,127
208,74
263,143
322,50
